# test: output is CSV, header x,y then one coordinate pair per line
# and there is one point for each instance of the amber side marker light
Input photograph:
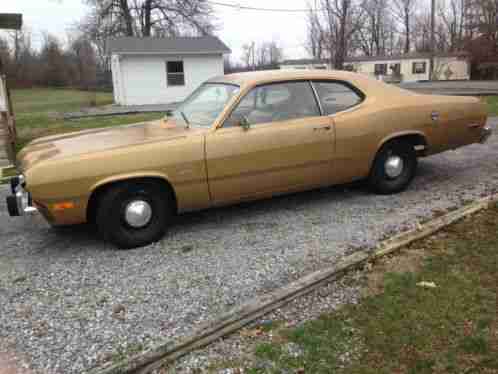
x,y
63,206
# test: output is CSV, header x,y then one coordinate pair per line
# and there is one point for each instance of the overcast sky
x,y
236,27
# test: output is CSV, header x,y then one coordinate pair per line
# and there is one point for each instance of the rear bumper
x,y
486,132
20,202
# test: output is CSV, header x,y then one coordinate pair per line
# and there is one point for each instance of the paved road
x,y
68,301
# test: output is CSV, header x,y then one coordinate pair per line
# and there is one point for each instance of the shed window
x,y
175,73
419,67
380,69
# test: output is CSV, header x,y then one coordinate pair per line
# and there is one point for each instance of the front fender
x,y
127,176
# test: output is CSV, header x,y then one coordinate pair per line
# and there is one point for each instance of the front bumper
x,y
20,202
486,132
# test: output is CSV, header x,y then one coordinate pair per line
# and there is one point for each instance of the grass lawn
x,y
35,100
492,105
39,112
400,327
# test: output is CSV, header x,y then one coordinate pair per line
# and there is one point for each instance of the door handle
x,y
324,128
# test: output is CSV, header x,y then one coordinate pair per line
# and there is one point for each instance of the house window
x,y
419,67
380,69
395,69
175,74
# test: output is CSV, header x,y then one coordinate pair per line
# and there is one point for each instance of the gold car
x,y
240,137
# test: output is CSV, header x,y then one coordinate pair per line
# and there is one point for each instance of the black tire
x,y
110,215
380,181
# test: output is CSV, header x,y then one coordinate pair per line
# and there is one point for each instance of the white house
x,y
162,70
405,68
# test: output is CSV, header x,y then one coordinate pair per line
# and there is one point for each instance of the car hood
x,y
98,140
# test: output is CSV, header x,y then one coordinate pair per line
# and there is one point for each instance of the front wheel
x,y
394,168
134,214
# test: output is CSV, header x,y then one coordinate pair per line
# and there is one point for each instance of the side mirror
x,y
244,123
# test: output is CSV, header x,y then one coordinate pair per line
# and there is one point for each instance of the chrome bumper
x,y
486,132
19,203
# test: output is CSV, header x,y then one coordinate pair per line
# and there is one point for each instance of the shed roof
x,y
175,45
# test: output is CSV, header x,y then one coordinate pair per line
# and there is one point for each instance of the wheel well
x,y
94,197
415,140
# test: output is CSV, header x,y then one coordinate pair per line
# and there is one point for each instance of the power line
x,y
244,7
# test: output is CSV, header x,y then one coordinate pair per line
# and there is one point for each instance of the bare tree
x,y
373,36
483,18
404,11
144,18
53,65
153,17
249,55
20,40
344,19
84,59
315,40
264,55
453,15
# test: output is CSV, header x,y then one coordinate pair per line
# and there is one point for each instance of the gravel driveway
x,y
69,302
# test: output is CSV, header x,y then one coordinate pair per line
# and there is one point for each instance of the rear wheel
x,y
394,168
134,214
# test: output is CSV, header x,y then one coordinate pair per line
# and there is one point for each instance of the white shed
x,y
162,70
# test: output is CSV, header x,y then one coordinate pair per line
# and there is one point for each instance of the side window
x,y
336,97
274,103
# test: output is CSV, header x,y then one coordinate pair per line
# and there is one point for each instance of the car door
x,y
355,137
286,144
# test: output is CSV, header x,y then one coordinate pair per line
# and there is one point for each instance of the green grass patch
x,y
492,102
35,100
407,328
6,174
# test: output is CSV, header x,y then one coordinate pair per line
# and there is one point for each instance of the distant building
x,y
404,68
162,70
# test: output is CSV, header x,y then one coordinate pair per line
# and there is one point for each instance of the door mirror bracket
x,y
244,123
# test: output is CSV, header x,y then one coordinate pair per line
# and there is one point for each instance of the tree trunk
x,y
407,36
147,7
341,50
125,9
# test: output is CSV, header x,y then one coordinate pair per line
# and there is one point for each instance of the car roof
x,y
255,78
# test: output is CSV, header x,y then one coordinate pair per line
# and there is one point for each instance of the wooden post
x,y
7,120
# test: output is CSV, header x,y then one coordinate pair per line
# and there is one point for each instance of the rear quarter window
x,y
336,96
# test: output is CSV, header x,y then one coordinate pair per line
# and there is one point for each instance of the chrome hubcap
x,y
138,213
394,166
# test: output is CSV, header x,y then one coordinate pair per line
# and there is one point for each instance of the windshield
x,y
205,104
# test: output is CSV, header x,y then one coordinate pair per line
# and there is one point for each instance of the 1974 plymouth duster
x,y
240,137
